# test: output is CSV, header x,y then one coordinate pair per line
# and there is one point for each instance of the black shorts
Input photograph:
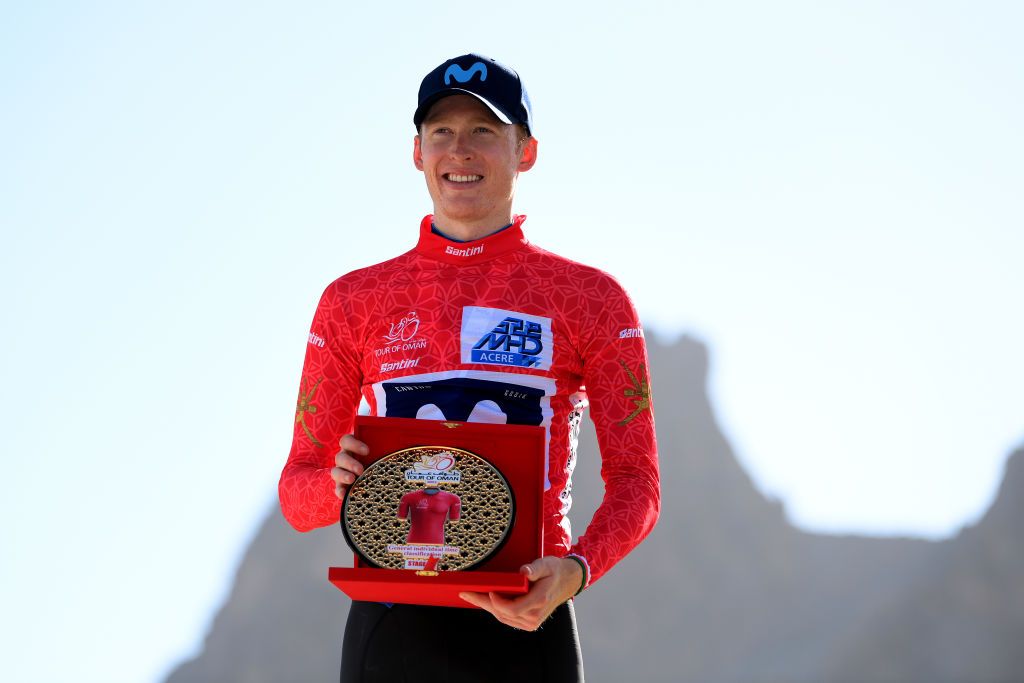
x,y
414,644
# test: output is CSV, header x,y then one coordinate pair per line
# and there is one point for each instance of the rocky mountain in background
x,y
724,591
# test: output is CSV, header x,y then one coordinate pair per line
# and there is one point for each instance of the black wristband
x,y
583,568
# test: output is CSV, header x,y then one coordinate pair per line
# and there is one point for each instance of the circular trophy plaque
x,y
428,508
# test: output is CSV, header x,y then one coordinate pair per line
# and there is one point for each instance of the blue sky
x,y
828,194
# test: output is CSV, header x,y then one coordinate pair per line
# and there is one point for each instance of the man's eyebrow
x,y
475,120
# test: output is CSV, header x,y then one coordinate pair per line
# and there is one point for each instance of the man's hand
x,y
347,468
553,580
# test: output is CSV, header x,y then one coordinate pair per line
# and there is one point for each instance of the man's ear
x,y
417,154
528,157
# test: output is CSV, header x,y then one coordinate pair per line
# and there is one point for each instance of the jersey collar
x,y
465,253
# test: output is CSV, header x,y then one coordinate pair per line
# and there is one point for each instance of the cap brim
x,y
421,111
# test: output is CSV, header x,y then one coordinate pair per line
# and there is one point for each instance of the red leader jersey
x,y
494,330
429,512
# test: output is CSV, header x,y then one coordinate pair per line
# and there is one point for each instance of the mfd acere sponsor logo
x,y
498,337
511,333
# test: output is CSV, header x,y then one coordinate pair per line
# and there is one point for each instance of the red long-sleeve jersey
x,y
493,330
427,513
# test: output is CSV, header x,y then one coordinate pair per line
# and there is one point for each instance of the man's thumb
x,y
535,570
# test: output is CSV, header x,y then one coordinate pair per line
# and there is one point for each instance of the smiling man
x,y
470,161
477,324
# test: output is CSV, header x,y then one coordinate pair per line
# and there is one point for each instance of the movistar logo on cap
x,y
465,75
496,337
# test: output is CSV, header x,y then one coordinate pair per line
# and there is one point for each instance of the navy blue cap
x,y
488,80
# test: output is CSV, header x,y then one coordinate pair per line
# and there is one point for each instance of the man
x,y
405,335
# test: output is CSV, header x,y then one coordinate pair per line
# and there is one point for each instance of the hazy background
x,y
827,194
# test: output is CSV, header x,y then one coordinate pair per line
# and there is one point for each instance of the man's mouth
x,y
456,178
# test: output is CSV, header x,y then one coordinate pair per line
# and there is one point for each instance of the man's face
x,y
470,161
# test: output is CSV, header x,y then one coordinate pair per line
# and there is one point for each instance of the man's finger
x,y
518,612
536,570
493,603
481,600
528,606
516,607
343,475
344,461
353,445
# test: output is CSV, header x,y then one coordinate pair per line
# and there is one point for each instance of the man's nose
x,y
461,147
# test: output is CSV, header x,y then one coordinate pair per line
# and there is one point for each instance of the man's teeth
x,y
464,178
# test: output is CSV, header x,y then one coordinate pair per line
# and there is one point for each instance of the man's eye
x,y
481,129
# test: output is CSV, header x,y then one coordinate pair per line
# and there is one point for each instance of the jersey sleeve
x,y
325,410
403,506
456,508
618,389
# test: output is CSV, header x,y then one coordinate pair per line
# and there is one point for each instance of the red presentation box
x,y
517,451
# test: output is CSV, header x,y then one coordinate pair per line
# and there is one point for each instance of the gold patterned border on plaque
x,y
370,513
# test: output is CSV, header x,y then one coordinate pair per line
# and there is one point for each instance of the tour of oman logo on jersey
x,y
493,336
404,330
401,335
